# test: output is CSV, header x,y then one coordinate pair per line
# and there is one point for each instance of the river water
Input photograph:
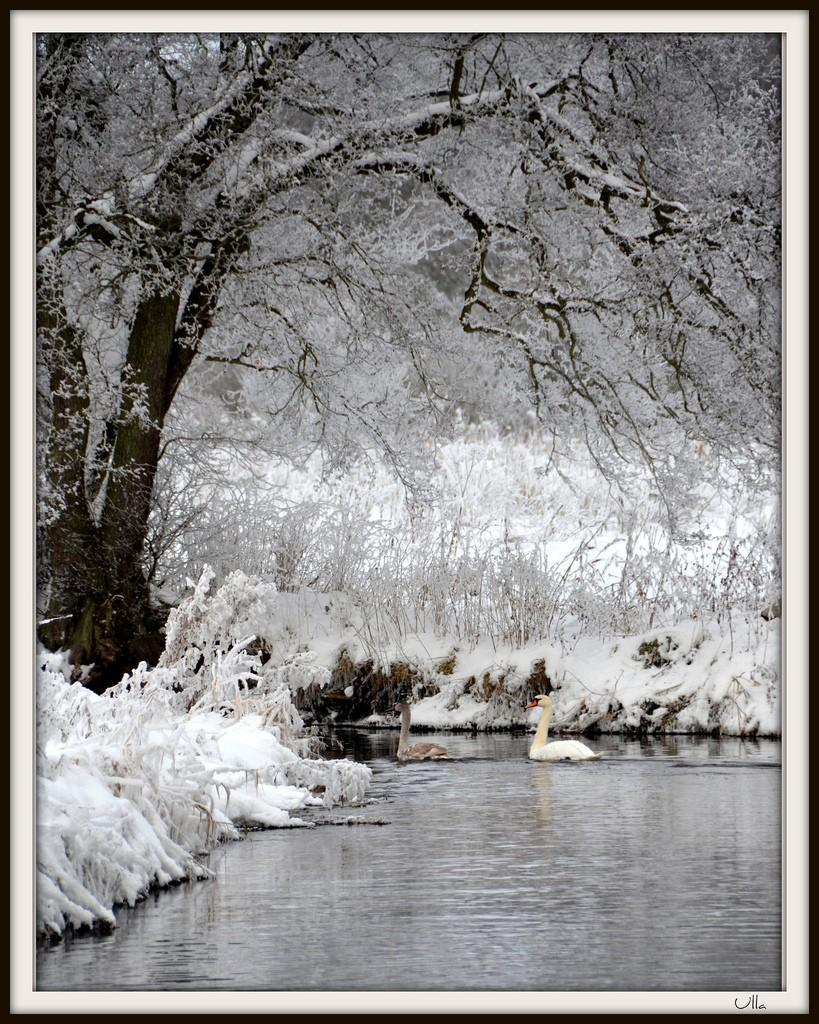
x,y
655,868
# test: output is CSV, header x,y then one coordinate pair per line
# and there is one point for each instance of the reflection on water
x,y
543,786
655,868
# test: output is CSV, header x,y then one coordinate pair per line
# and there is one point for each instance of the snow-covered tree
x,y
336,240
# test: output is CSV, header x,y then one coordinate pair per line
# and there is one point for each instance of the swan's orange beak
x,y
531,704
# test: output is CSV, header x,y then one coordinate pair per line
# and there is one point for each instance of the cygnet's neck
x,y
405,724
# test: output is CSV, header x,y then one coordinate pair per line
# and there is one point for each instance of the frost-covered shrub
x,y
208,634
109,823
204,623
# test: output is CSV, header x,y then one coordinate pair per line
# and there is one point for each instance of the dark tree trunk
x,y
99,601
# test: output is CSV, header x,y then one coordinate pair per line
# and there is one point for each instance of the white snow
x,y
135,785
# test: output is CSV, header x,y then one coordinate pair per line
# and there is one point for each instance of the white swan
x,y
559,750
418,751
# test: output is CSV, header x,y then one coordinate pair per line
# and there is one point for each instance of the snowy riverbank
x,y
697,676
134,786
689,678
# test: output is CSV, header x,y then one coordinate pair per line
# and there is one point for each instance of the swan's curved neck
x,y
405,724
542,730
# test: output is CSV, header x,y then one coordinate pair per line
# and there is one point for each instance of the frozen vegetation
x,y
134,785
